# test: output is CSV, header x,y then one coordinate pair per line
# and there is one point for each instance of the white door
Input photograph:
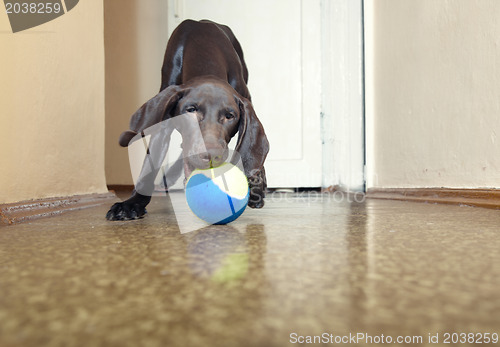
x,y
281,41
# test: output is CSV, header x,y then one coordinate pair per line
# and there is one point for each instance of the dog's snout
x,y
205,157
214,157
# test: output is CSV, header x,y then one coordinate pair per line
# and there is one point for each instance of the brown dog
x,y
204,78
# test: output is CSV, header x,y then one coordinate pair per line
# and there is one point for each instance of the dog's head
x,y
212,113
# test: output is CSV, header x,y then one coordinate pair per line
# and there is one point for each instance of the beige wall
x,y
433,102
52,106
136,34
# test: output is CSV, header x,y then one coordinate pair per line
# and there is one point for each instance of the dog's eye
x,y
191,109
230,115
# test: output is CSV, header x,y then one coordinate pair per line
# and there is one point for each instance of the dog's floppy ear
x,y
252,142
152,112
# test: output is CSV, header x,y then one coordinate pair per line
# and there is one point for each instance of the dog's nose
x,y
212,157
205,157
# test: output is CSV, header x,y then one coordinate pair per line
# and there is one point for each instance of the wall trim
x,y
487,198
23,211
121,187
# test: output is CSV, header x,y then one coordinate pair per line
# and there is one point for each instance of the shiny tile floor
x,y
303,268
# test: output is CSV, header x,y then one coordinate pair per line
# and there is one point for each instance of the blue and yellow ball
x,y
218,195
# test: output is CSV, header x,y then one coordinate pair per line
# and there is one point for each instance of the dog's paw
x,y
256,204
126,211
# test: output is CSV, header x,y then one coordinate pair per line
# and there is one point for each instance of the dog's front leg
x,y
258,186
135,206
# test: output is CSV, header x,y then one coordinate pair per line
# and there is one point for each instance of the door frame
x,y
343,100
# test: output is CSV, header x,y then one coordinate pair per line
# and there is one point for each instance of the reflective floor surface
x,y
306,268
